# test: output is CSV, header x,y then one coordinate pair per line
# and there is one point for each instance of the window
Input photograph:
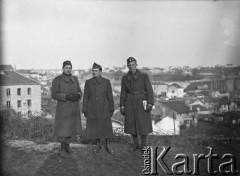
x,y
238,95
8,91
186,122
8,104
29,91
29,103
19,102
19,91
29,113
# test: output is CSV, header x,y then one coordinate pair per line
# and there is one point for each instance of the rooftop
x,y
178,106
175,85
201,108
6,68
13,78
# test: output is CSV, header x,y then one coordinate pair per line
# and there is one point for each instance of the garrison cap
x,y
97,66
131,59
67,62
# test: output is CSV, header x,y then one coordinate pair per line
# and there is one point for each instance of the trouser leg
x,y
107,147
98,146
64,149
68,140
143,141
135,143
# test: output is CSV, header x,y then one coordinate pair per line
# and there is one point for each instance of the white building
x,y
174,90
159,88
19,93
166,126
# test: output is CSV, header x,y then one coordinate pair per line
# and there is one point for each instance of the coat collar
x,y
133,75
67,78
97,80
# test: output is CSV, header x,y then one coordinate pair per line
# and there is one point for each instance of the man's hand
x,y
70,97
148,108
76,97
73,97
122,110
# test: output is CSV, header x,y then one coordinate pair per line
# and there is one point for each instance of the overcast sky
x,y
44,33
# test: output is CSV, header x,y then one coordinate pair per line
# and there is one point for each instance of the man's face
x,y
67,69
96,72
132,66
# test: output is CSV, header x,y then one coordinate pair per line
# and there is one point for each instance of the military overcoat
x,y
98,106
135,88
67,117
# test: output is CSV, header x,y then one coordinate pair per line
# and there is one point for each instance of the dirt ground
x,y
27,158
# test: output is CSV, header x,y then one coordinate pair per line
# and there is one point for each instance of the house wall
x,y
184,119
35,98
174,92
166,126
159,89
223,108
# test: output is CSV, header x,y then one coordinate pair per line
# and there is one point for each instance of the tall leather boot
x,y
98,147
143,142
108,148
68,148
63,150
68,139
135,145
60,149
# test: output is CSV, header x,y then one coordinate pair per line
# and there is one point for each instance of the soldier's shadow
x,y
57,165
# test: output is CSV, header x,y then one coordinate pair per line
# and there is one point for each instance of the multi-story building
x,y
174,90
19,93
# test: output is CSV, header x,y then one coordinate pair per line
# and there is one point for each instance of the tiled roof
x,y
203,116
6,68
237,102
176,85
201,108
13,78
194,85
192,100
178,106
159,83
208,99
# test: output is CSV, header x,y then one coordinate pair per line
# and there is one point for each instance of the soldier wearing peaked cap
x,y
67,122
136,90
98,108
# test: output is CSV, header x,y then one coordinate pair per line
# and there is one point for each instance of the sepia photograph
x,y
120,87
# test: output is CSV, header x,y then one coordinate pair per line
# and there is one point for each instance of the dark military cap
x,y
131,59
67,62
97,66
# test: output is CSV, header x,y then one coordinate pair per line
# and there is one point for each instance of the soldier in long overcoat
x,y
98,108
67,92
136,101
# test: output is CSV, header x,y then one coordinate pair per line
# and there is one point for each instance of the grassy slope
x,y
84,162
